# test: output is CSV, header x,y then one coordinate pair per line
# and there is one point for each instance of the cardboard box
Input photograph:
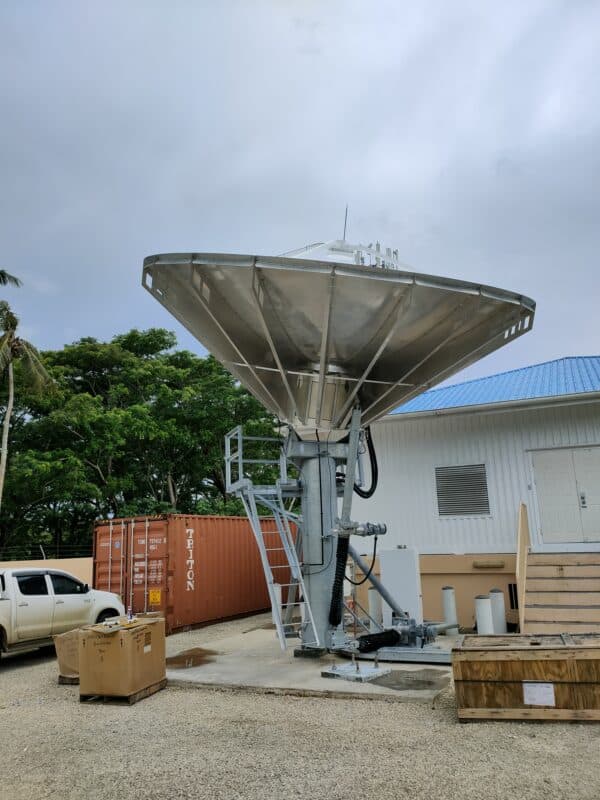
x,y
67,653
121,659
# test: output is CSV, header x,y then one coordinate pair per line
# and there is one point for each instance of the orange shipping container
x,y
193,569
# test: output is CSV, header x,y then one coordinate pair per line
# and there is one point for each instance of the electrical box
x,y
401,577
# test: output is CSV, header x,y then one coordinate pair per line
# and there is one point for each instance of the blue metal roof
x,y
564,376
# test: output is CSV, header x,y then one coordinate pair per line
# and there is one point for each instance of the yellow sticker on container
x,y
154,597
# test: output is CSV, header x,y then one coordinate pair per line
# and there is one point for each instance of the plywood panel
x,y
560,614
494,694
562,598
563,585
562,627
570,559
81,568
469,564
539,714
492,671
492,676
555,571
574,669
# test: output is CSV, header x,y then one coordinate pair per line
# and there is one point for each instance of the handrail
x,y
523,544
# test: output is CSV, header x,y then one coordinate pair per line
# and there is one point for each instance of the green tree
x,y
133,426
13,348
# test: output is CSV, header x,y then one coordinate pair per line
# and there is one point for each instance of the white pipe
x,y
498,610
375,610
483,615
449,605
374,581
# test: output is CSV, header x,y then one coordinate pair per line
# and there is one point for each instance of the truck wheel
x,y
107,614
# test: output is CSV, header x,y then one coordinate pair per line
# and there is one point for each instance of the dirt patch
x,y
194,657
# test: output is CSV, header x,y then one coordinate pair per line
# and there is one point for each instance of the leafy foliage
x,y
15,350
133,426
6,279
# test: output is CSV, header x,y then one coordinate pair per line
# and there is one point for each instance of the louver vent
x,y
462,490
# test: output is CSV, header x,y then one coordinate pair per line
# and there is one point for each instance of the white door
x,y
558,501
35,606
587,476
72,605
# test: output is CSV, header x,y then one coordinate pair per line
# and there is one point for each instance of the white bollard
x,y
498,610
483,615
449,605
375,610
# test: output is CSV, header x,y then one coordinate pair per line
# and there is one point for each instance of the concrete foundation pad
x,y
350,672
254,661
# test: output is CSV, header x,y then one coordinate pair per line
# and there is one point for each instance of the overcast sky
x,y
465,134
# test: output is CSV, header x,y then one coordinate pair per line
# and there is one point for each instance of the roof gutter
x,y
581,398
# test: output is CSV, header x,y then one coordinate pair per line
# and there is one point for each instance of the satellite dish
x,y
328,338
315,332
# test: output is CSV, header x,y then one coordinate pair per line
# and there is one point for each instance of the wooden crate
x,y
528,677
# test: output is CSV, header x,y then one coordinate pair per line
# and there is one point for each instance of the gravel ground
x,y
201,743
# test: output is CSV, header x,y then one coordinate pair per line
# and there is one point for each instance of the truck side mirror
x,y
86,588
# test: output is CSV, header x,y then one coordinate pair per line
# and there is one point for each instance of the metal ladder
x,y
286,609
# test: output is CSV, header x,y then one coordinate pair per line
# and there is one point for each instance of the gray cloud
x,y
464,134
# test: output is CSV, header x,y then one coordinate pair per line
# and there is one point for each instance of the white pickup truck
x,y
35,604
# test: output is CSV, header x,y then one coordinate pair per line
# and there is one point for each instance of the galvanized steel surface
x,y
311,338
192,568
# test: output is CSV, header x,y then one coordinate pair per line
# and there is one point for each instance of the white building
x,y
455,463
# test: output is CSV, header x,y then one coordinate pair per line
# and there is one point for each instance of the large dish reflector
x,y
311,338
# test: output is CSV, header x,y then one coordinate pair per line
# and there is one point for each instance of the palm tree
x,y
6,279
13,348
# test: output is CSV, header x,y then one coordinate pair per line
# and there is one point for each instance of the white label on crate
x,y
538,694
147,648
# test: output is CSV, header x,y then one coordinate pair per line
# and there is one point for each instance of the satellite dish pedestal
x,y
319,538
315,335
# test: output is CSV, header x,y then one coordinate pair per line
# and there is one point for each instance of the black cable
x,y
337,590
368,575
366,493
373,641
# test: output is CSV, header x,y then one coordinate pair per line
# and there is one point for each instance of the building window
x,y
462,491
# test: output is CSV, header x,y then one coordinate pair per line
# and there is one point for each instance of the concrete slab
x,y
355,672
254,661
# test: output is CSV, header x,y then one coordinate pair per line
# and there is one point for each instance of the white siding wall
x,y
408,450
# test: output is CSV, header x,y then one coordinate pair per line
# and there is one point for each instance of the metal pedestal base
x,y
429,654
